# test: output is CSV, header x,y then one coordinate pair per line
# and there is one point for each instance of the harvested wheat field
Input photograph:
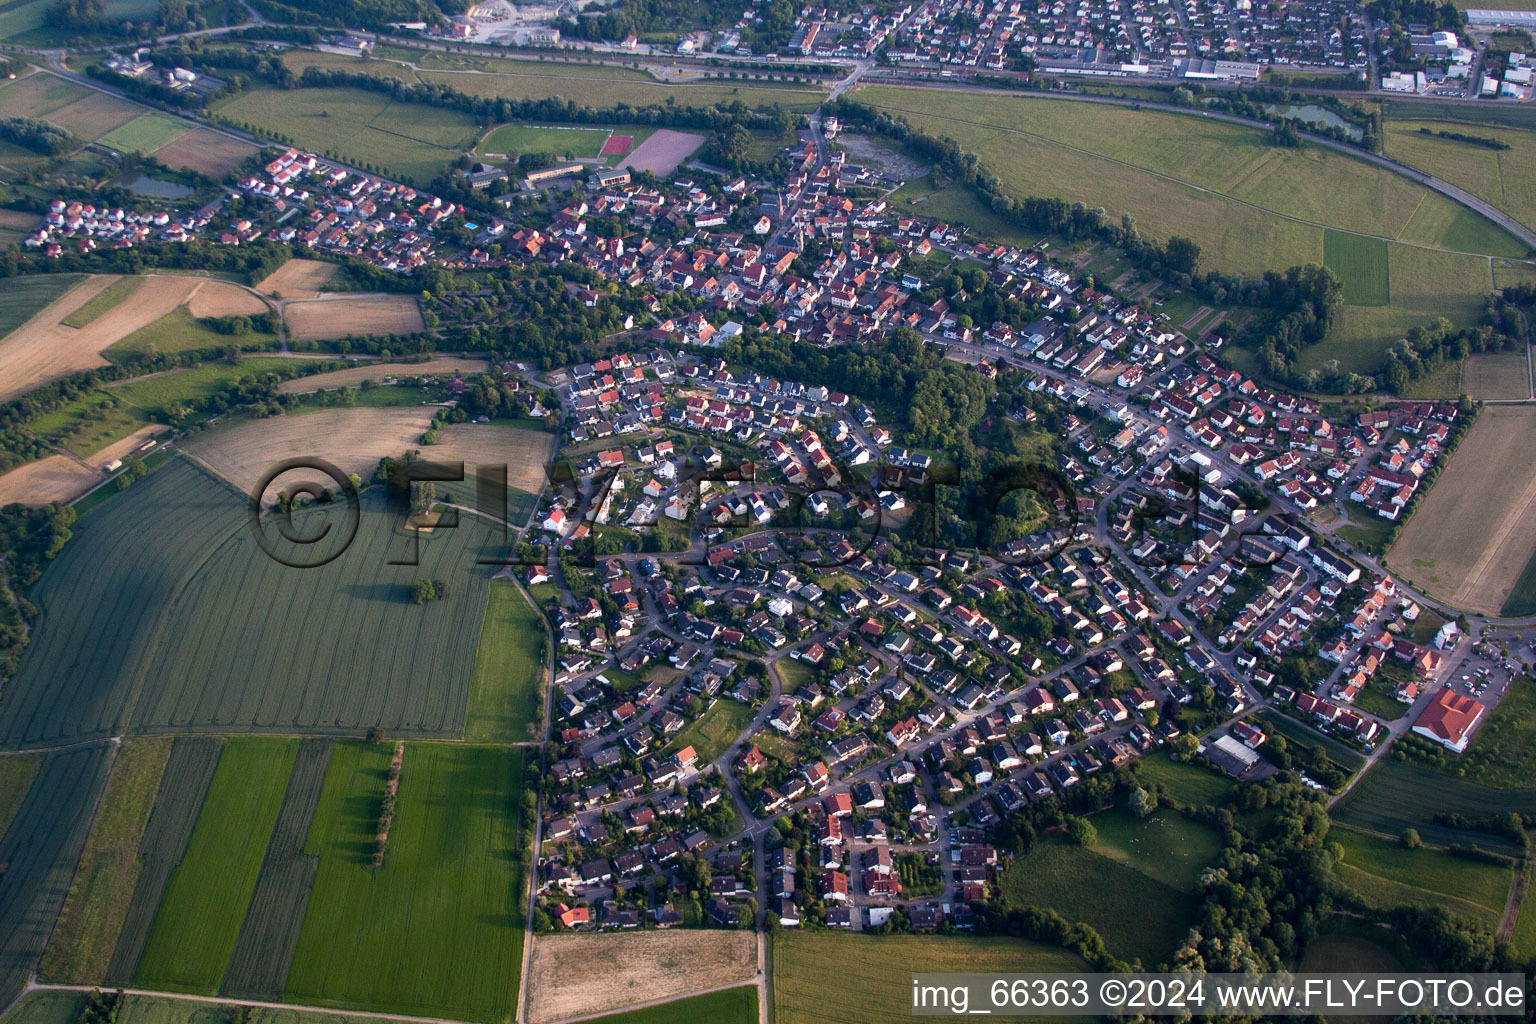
x,y
207,152
574,975
1496,376
53,478
525,453
1475,531
663,151
354,440
355,375
220,298
338,318
297,279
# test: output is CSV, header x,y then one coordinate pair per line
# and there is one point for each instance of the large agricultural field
x,y
1504,376
199,918
1501,176
438,929
29,295
205,151
508,693
812,971
346,316
728,1006
40,850
1396,795
99,665
1475,532
589,973
298,279
82,943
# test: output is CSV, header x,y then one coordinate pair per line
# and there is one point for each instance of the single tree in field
x,y
423,591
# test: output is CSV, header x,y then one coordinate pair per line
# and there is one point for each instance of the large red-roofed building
x,y
1449,719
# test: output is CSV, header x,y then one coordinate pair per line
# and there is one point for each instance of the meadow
x,y
811,971
1501,176
178,802
145,134
26,296
1396,795
1166,845
180,331
46,1006
508,693
92,918
1188,784
196,927
1386,873
174,556
1362,263
40,850
402,139
438,929
714,730
1083,885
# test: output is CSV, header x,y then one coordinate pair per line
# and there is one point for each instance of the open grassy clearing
x,y
40,850
438,929
1084,886
403,139
99,663
92,918
1477,525
185,781
508,694
731,1006
714,730
1348,953
1497,375
1362,263
1501,176
28,295
571,974
16,775
181,331
1165,845
264,949
1512,272
1469,886
199,919
956,204
145,134
1396,795
812,971
1189,784
114,293
1112,156
1425,284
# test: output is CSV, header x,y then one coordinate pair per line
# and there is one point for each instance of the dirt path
x,y
1512,906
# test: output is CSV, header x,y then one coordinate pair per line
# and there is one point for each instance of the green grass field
x,y
812,970
1348,953
173,557
438,929
107,298
1496,175
16,775
731,1006
404,139
180,331
1189,784
793,674
531,138
88,927
1522,597
1362,263
1084,886
25,296
145,134
1503,750
714,730
46,1006
1471,888
509,676
199,919
1395,795
1166,845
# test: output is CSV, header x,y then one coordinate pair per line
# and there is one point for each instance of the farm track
x,y
188,774
270,932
